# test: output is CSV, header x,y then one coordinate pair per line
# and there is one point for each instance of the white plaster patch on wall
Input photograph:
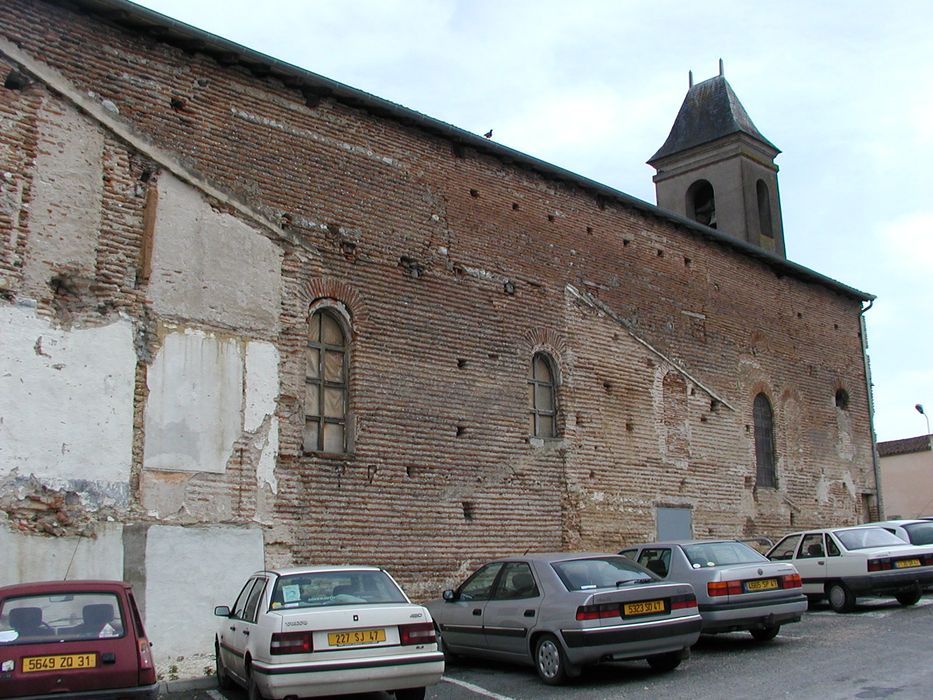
x,y
37,558
189,571
209,266
67,192
66,399
194,409
262,391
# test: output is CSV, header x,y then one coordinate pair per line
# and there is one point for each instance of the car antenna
x,y
68,570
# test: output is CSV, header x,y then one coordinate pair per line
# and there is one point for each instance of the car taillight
x,y
879,564
598,612
791,581
416,633
147,674
682,602
291,643
927,560
718,588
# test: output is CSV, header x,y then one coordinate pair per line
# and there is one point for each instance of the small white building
x,y
907,476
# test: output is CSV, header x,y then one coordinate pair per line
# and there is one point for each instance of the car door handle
x,y
529,613
477,612
820,563
246,632
232,628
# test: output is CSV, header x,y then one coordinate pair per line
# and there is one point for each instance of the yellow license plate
x,y
354,637
643,607
763,584
906,563
62,662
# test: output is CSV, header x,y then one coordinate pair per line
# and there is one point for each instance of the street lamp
x,y
920,410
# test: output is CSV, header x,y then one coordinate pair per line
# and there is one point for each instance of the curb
x,y
185,684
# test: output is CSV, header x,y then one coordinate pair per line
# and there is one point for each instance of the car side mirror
x,y
450,595
222,611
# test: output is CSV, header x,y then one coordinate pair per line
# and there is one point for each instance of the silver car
x,y
736,587
561,612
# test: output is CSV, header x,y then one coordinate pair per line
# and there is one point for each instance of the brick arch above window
x,y
321,289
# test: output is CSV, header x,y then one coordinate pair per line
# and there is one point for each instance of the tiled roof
x,y
907,446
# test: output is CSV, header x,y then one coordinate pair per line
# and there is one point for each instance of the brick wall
x,y
418,239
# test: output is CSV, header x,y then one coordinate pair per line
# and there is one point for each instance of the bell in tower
x,y
718,170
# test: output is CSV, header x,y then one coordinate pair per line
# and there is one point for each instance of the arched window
x,y
764,442
764,209
701,203
542,397
326,384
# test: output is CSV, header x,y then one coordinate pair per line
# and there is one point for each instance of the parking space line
x,y
476,689
215,694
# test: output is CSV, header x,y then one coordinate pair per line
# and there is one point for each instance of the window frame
x,y
765,457
317,315
550,383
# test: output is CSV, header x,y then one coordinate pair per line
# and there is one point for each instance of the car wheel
x,y
253,692
840,598
665,662
908,597
766,633
224,682
550,661
410,694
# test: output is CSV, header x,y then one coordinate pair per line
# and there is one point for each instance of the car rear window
x,y
867,537
310,590
920,533
600,572
711,554
62,617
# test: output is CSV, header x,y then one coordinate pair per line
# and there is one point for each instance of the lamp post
x,y
920,410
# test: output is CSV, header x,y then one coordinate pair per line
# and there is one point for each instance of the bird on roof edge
x,y
488,134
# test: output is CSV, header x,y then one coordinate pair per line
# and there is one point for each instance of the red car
x,y
74,639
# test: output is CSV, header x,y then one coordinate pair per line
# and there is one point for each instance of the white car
x,y
326,630
843,563
915,531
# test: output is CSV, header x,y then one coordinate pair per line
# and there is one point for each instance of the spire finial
x,y
722,71
690,77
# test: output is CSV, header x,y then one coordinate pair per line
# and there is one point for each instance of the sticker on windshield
x,y
291,594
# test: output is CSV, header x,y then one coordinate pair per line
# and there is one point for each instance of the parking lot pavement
x,y
881,650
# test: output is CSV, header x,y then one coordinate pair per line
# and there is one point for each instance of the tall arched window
x,y
326,384
764,209
542,397
701,203
764,442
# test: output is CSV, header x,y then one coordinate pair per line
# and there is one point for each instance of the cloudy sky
x,y
842,88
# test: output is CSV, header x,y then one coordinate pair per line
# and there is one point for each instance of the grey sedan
x,y
561,612
737,588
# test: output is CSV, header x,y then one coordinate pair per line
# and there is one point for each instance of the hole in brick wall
x,y
713,405
607,386
799,315
514,206
592,474
842,399
660,253
550,217
625,242
792,518
203,82
702,419
474,193
461,430
178,103
15,81
467,510
629,426
348,248
461,363
693,391
145,175
493,356
589,229
509,287
748,429
409,470
601,203
412,267
835,326
687,262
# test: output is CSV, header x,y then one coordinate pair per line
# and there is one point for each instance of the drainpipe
x,y
875,462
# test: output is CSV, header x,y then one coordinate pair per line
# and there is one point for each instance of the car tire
x,y
550,661
766,633
410,694
909,597
840,598
665,662
252,690
224,682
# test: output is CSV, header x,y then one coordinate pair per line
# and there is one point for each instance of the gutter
x,y
875,460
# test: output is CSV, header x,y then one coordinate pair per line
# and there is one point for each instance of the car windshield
x,y
322,588
600,572
709,554
867,537
64,617
920,533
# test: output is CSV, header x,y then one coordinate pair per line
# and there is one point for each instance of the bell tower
x,y
718,170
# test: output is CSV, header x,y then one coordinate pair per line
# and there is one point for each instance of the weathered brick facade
x,y
456,261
